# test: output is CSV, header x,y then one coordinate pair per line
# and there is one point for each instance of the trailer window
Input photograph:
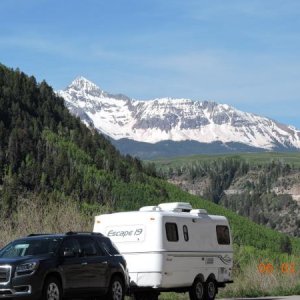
x,y
223,235
172,232
185,233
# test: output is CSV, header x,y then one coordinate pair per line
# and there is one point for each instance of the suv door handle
x,y
84,263
104,263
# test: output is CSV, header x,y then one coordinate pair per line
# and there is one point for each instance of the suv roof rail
x,y
86,232
37,234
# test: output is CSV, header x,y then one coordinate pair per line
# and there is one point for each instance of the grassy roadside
x,y
250,282
263,273
36,217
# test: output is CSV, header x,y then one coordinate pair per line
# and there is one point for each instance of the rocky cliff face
x,y
267,193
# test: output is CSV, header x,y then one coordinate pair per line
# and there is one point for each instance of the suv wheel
x,y
116,289
52,289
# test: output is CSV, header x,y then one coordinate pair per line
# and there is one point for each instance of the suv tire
x,y
52,289
116,289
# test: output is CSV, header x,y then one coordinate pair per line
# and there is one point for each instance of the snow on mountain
x,y
152,121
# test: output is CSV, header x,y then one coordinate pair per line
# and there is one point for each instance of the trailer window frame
x,y
223,235
185,232
172,232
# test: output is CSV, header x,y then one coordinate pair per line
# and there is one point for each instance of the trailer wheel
x,y
197,290
210,289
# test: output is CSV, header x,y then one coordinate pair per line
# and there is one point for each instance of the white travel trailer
x,y
172,247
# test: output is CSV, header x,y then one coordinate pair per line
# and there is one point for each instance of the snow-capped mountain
x,y
167,119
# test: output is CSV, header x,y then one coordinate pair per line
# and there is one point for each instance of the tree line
x,y
44,149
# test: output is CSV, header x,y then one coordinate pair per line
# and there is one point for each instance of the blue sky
x,y
245,53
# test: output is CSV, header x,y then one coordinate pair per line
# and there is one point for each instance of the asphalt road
x,y
267,298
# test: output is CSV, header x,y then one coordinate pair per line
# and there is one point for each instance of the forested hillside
x,y
56,175
45,150
266,192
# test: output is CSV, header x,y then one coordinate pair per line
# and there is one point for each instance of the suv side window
x,y
88,246
109,247
70,244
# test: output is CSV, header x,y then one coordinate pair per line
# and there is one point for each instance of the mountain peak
x,y
84,89
81,83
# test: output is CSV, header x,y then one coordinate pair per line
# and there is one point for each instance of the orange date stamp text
x,y
268,268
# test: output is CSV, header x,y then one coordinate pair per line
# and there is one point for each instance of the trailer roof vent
x,y
176,206
150,208
200,211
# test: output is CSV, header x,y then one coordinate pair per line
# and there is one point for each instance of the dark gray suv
x,y
53,266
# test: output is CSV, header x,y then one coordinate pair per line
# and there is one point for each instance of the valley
x,y
262,187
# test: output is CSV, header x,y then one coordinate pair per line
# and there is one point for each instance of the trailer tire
x,y
210,289
197,290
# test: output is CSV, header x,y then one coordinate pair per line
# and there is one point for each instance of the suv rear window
x,y
223,235
172,232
